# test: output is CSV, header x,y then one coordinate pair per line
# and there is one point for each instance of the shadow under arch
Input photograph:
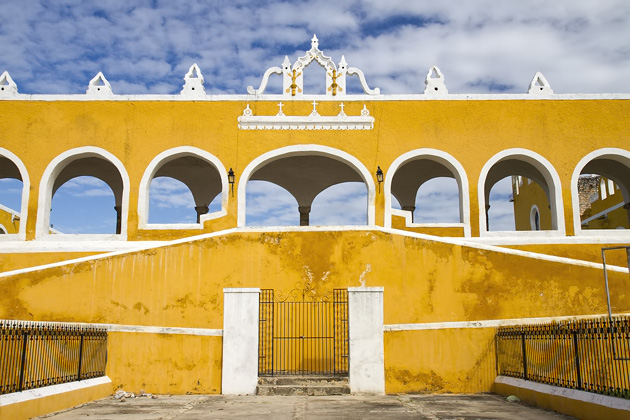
x,y
528,164
202,172
12,167
83,161
611,163
441,164
306,161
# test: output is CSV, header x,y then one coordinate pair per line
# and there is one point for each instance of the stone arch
x,y
444,165
83,161
611,163
166,164
528,164
12,167
307,150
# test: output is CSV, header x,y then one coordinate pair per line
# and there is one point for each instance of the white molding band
x,y
619,154
305,150
310,97
443,158
468,242
553,184
487,323
52,390
149,173
149,329
26,188
44,203
572,394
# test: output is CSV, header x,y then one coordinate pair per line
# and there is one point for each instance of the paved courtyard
x,y
189,407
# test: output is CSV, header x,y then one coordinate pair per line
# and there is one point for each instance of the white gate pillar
x,y
365,323
240,341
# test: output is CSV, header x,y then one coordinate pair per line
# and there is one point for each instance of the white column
x,y
367,361
240,341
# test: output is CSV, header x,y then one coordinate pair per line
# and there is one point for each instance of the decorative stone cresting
x,y
539,85
99,86
7,85
313,121
293,78
434,83
193,82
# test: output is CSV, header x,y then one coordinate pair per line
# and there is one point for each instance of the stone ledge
x,y
580,404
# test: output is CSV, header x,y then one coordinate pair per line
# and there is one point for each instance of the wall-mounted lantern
x,y
379,177
231,180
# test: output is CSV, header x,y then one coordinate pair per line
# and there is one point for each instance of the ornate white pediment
x,y
293,75
313,121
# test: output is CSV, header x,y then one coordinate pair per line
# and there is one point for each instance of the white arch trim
x,y
26,187
165,157
305,150
53,170
612,153
553,183
445,159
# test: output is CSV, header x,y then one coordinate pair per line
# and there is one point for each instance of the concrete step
x,y
303,385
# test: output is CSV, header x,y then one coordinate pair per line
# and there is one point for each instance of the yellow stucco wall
x,y
584,252
164,363
181,285
445,360
471,131
15,261
529,195
10,224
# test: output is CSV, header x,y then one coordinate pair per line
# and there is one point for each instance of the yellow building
x,y
445,285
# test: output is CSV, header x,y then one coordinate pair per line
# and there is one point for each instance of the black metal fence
x,y
34,355
303,337
590,355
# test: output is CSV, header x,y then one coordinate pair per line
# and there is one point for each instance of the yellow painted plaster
x,y
471,131
16,261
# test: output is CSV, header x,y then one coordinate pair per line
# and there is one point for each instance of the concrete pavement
x,y
201,407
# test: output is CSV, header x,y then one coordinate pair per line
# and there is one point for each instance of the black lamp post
x,y
379,177
231,180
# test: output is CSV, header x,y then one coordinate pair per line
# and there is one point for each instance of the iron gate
x,y
303,337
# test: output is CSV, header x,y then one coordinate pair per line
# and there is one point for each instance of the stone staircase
x,y
303,385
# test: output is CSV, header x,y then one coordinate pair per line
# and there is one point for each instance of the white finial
x,y
343,64
99,86
193,82
539,85
7,85
286,64
434,82
315,42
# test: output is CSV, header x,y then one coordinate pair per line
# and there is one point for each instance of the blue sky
x,y
147,47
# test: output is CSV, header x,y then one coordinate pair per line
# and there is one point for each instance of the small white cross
x,y
342,106
280,113
314,113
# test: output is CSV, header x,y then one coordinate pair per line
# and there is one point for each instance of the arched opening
x,y
182,188
83,192
329,187
602,188
431,186
14,187
87,198
510,184
82,205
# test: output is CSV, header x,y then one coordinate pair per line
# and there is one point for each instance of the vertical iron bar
x,y
22,364
80,356
577,359
524,355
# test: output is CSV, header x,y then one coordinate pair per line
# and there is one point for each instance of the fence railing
x,y
34,355
590,355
